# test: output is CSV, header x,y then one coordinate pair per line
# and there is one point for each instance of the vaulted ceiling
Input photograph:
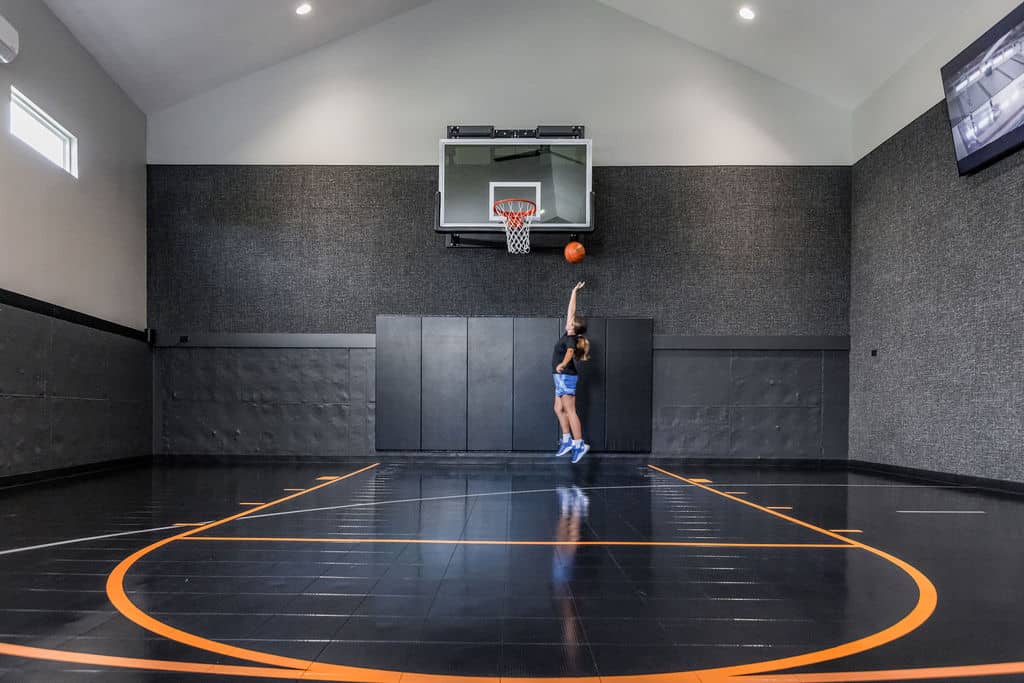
x,y
166,51
162,52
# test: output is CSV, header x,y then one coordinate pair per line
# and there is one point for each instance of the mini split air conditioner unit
x,y
8,42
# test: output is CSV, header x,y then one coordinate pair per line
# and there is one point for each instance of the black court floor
x,y
443,574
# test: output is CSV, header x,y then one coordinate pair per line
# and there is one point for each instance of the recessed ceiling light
x,y
304,9
747,13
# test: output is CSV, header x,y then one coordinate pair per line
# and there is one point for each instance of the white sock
x,y
577,443
566,437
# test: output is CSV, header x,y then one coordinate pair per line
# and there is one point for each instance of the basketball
x,y
574,252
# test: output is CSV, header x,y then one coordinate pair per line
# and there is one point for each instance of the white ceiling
x,y
842,50
166,51
162,52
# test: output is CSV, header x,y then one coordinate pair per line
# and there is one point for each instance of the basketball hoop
x,y
517,214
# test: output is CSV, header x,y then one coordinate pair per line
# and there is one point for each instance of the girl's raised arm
x,y
571,313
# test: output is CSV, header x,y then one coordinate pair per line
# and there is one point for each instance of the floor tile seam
x,y
365,597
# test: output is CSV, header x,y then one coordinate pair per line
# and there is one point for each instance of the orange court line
x,y
119,598
294,489
329,478
780,507
736,493
930,673
307,670
846,531
442,541
924,608
701,481
942,672
251,503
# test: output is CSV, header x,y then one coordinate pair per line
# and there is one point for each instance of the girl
x,y
571,348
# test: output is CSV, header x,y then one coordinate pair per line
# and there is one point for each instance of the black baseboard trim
x,y
27,303
1015,488
44,476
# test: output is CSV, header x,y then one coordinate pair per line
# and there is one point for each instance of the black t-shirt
x,y
565,343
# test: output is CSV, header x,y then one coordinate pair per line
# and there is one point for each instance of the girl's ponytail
x,y
582,347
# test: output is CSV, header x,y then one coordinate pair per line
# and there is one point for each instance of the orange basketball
x,y
574,252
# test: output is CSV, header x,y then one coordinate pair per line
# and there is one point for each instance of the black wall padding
x,y
628,382
443,411
489,425
484,384
535,427
399,340
590,392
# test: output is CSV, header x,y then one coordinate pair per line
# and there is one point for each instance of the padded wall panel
x,y
24,346
535,427
70,394
590,393
692,377
398,377
628,382
776,378
775,432
271,401
298,376
24,435
443,411
80,430
490,384
78,362
691,430
835,404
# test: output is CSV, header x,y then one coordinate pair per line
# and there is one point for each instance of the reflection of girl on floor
x,y
573,508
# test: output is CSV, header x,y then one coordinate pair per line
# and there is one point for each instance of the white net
x,y
518,214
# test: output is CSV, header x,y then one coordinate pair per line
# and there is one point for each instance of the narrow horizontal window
x,y
41,132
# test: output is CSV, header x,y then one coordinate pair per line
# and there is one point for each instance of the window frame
x,y
69,142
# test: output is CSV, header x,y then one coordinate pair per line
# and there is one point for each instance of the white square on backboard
x,y
532,192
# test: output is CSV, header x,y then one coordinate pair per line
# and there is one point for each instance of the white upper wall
x,y
385,94
917,86
76,243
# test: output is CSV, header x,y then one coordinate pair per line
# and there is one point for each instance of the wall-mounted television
x,y
984,88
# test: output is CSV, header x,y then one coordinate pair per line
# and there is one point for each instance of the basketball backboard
x,y
475,173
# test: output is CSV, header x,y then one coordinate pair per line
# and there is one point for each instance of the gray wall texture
x,y
70,395
702,250
938,290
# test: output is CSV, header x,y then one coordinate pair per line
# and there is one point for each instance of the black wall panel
x,y
398,372
70,394
535,427
490,384
590,390
628,383
443,414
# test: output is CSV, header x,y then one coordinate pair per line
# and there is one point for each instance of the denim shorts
x,y
565,385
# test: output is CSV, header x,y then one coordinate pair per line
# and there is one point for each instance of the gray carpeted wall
x,y
938,291
702,250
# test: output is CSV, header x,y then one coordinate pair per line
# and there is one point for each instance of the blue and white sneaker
x,y
564,448
578,453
